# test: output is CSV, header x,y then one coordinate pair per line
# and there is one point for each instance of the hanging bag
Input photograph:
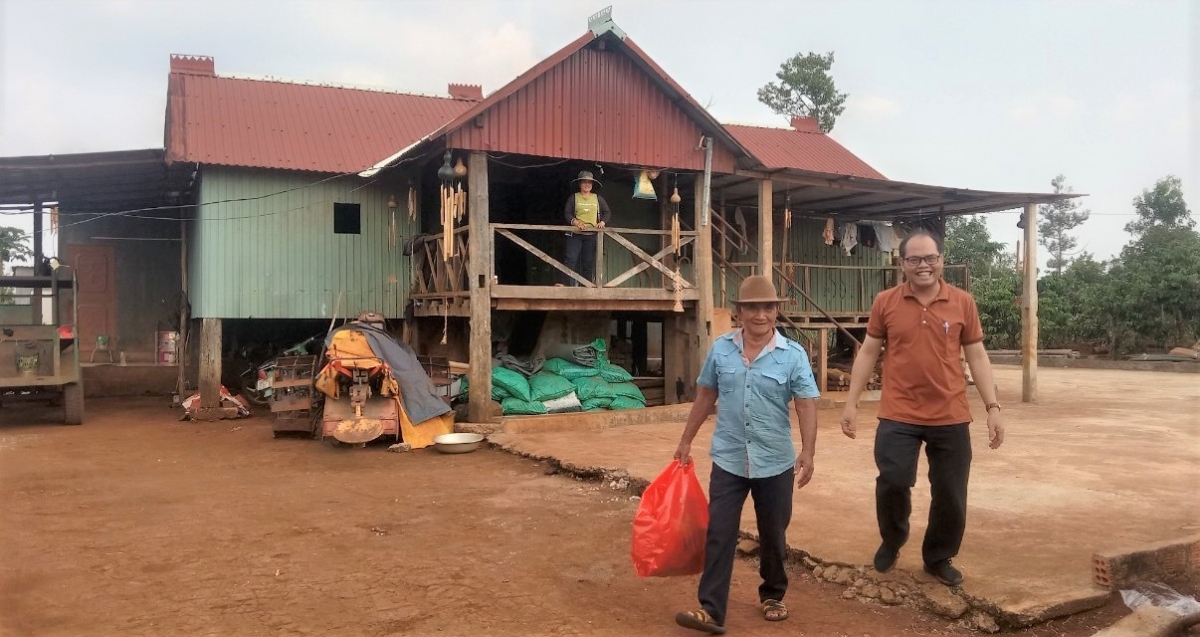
x,y
671,524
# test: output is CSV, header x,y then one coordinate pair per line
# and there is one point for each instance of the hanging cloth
x,y
849,236
885,236
827,233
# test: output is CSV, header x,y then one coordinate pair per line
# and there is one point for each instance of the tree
x,y
14,245
1055,223
1161,206
969,241
805,89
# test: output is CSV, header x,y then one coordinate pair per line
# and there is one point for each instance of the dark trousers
x,y
773,511
581,256
948,449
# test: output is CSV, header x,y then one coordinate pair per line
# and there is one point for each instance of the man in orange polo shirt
x,y
924,323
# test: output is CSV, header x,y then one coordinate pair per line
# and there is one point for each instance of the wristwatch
x,y
990,405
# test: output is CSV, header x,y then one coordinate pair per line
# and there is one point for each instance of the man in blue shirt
x,y
754,372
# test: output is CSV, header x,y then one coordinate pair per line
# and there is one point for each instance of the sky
x,y
986,94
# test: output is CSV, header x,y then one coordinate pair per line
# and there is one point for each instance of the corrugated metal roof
x,y
596,104
802,150
524,124
270,124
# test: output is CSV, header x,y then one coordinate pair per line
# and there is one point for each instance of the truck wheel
x,y
73,403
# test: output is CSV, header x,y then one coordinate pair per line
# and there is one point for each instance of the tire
x,y
72,397
255,398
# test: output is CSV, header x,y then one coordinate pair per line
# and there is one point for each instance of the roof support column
x,y
479,274
702,266
1029,309
766,230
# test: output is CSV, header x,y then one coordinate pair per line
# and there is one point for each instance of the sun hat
x,y
757,289
586,175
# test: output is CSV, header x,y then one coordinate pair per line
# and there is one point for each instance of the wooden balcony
x,y
635,271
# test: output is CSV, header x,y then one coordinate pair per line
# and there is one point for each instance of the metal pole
x,y
706,200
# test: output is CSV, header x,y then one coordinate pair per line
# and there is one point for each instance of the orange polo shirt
x,y
923,380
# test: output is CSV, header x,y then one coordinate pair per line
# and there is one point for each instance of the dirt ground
x,y
138,524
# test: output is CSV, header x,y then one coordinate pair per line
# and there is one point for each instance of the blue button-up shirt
x,y
753,438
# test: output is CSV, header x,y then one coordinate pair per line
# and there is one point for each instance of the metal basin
x,y
457,443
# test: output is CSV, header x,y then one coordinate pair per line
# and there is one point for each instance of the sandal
x,y
699,620
774,610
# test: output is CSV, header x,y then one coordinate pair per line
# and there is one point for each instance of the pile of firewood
x,y
838,377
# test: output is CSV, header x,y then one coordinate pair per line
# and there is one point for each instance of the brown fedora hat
x,y
757,289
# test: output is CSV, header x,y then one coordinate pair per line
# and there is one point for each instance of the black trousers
x,y
772,510
948,449
580,256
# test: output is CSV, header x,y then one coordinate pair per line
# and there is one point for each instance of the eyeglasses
x,y
930,259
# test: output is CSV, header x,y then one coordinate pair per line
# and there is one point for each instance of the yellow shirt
x,y
587,208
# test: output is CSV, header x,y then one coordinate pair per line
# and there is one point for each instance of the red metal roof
x,y
600,98
806,149
594,104
271,124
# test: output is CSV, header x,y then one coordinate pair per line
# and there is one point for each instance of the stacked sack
x,y
543,393
563,385
605,386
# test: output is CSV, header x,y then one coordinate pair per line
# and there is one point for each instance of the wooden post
x,y
702,267
38,253
674,348
823,360
480,275
1029,308
766,230
210,364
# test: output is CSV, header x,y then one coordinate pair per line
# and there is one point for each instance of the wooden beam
x,y
480,285
823,361
587,294
639,268
210,363
38,251
1029,309
576,305
646,258
766,228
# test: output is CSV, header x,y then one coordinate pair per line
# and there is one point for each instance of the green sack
x,y
590,387
596,404
511,382
567,369
518,407
498,393
623,402
614,374
628,390
545,386
601,352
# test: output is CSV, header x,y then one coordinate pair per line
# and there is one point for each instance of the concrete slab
x,y
1107,460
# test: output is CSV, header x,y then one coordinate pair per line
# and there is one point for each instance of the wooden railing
x,y
643,259
434,276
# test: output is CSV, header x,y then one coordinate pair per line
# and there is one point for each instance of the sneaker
x,y
945,573
885,558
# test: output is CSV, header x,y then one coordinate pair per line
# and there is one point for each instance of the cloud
x,y
1044,109
874,107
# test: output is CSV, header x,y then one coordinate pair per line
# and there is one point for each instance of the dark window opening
x,y
347,218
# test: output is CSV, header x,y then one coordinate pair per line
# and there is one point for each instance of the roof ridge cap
x,y
343,87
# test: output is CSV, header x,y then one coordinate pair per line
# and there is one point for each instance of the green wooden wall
x,y
262,245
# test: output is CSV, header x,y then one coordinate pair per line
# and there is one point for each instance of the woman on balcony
x,y
586,211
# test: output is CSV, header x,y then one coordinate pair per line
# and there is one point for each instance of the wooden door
x,y
95,266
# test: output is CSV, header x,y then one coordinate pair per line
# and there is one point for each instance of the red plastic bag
x,y
671,523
